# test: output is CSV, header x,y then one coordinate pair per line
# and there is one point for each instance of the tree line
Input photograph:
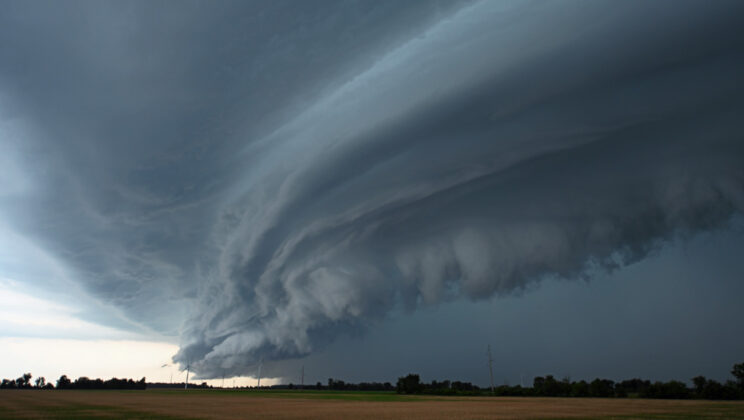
x,y
83,382
339,385
549,386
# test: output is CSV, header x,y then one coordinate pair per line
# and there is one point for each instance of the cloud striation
x,y
305,185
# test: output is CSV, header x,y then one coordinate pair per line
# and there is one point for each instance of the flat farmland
x,y
229,404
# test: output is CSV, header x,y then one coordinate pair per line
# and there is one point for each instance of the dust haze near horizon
x,y
279,182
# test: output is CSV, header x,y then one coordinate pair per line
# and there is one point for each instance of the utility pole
x,y
259,374
490,367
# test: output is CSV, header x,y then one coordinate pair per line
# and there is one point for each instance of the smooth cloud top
x,y
275,179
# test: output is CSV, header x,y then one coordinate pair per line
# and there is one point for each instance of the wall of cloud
x,y
506,144
262,178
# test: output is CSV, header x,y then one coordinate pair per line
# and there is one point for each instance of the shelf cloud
x,y
259,181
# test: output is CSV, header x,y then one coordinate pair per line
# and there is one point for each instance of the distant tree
x,y
410,384
337,384
463,386
63,382
538,383
580,389
671,389
634,387
40,382
733,391
677,390
24,381
713,390
318,385
620,392
699,382
738,372
551,387
602,388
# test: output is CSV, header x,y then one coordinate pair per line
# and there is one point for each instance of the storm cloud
x,y
260,178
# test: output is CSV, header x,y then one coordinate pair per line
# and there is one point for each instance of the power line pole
x,y
186,385
259,373
490,366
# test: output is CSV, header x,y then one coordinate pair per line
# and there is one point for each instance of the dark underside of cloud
x,y
279,176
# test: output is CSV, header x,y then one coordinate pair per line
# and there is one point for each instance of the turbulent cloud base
x,y
305,184
548,153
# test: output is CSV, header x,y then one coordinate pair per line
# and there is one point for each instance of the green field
x,y
304,394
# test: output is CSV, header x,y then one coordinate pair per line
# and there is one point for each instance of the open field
x,y
207,404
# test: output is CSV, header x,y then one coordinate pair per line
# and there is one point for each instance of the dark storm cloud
x,y
125,115
297,173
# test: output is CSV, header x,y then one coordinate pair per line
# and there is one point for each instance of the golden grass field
x,y
225,404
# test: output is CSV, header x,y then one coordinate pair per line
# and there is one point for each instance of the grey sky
x,y
266,179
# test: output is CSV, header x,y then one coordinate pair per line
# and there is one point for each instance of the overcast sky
x,y
374,188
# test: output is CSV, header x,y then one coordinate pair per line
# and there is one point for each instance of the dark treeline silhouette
x,y
179,385
412,384
339,385
548,386
333,385
24,382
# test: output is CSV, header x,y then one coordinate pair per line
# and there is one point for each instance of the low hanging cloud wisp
x,y
504,144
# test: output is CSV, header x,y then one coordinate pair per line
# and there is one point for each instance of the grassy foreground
x,y
208,404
